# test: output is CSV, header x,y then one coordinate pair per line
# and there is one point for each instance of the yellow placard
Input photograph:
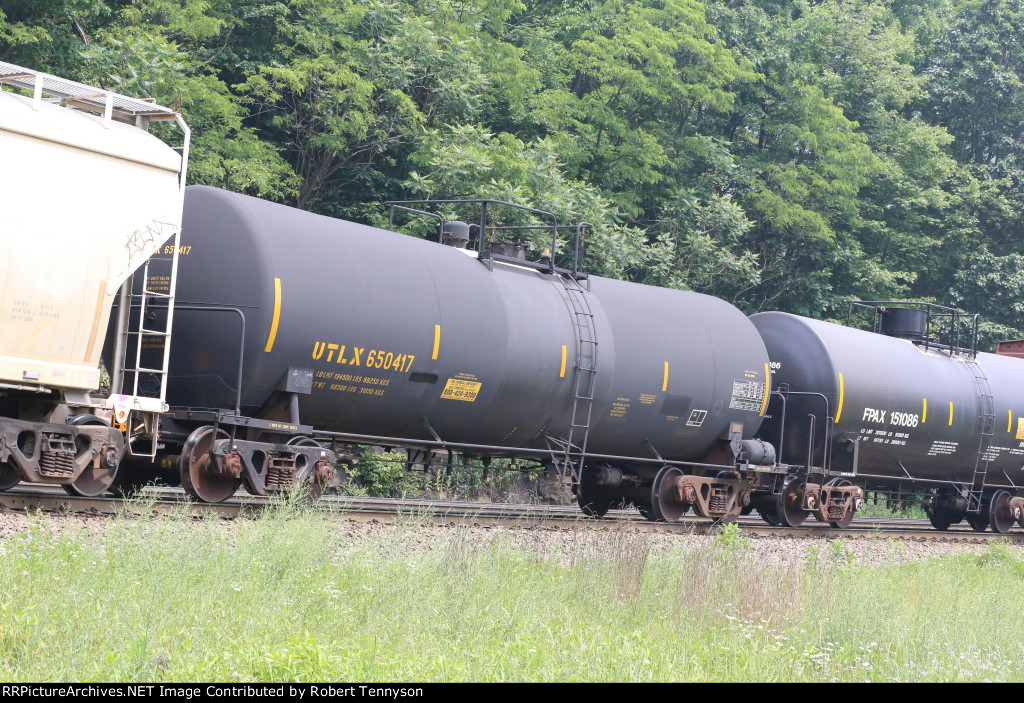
x,y
457,389
1020,428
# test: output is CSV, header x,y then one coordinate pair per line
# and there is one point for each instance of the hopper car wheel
x,y
309,489
590,499
663,507
93,481
999,513
9,477
847,519
790,503
770,515
196,478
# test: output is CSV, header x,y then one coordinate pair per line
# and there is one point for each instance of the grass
x,y
877,507
290,596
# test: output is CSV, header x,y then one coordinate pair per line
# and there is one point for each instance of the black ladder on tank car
x,y
987,422
569,453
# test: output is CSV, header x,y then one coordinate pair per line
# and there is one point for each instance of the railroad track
x,y
155,501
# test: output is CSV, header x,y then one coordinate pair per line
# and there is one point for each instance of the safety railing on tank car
x,y
183,307
829,434
922,334
547,263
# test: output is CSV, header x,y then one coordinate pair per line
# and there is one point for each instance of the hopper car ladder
x,y
987,420
136,331
571,452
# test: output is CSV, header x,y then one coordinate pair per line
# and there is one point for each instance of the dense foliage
x,y
780,154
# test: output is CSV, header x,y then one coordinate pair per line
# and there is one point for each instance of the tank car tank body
x,y
899,410
397,340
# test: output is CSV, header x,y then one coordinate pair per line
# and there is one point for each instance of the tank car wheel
x,y
9,476
789,509
195,477
306,484
769,515
940,519
663,507
943,510
645,510
93,481
978,521
591,501
999,514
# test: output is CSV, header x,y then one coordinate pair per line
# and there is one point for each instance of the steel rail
x,y
158,501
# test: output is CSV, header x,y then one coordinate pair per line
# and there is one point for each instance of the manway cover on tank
x,y
913,410
406,338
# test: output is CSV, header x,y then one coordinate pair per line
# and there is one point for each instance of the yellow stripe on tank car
x,y
1009,420
664,380
951,412
277,316
842,392
437,341
924,410
767,388
561,371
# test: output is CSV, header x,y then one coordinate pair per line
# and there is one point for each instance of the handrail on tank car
x,y
931,310
425,213
241,339
826,459
483,227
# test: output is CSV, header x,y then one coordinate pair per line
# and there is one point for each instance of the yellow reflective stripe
x,y
767,388
561,371
437,341
842,389
277,316
951,412
664,381
924,410
1009,420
